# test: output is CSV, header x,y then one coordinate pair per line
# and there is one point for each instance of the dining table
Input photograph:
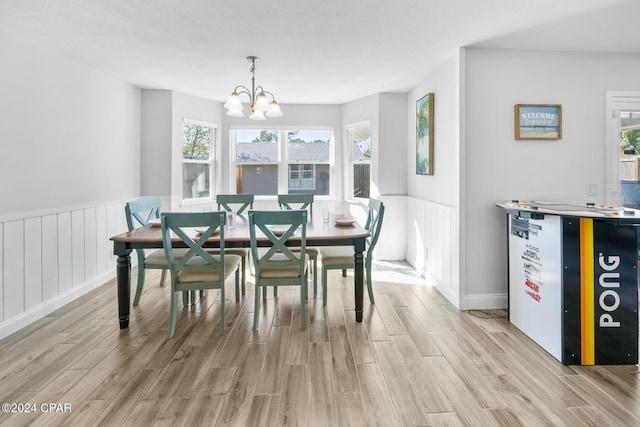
x,y
318,233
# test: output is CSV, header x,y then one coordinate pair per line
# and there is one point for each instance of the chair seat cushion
x,y
158,257
285,271
230,264
243,252
337,255
312,252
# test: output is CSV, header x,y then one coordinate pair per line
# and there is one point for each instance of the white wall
x,y
69,156
387,113
156,124
498,167
59,146
444,185
391,150
163,115
433,206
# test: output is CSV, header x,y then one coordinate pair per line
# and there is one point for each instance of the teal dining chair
x,y
303,201
279,265
197,269
341,257
138,214
237,203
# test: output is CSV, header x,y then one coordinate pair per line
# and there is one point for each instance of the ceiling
x,y
315,52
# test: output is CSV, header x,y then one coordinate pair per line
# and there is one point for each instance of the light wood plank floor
x,y
414,361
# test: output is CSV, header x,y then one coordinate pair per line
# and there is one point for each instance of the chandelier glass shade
x,y
259,102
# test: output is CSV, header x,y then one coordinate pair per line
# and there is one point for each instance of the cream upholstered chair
x,y
341,257
279,265
237,203
303,201
138,214
197,269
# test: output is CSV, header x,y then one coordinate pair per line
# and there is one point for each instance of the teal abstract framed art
x,y
424,135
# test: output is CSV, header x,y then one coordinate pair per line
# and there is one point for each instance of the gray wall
x,y
498,167
69,157
70,135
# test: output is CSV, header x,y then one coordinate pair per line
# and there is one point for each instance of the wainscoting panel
x,y
102,239
90,244
65,263
77,248
432,247
50,265
48,259
1,274
32,262
13,269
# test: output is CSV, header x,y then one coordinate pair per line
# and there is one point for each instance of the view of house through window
x,y
359,139
630,158
264,166
197,159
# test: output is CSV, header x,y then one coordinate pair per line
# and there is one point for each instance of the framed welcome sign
x,y
424,135
538,121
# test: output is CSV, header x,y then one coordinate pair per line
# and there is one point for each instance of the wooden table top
x,y
318,233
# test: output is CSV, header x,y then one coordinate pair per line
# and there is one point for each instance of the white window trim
x,y
349,178
283,159
213,136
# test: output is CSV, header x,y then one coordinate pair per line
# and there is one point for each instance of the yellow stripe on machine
x,y
587,316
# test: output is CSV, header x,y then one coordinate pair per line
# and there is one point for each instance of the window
x,y
301,177
256,161
264,166
197,159
309,154
359,140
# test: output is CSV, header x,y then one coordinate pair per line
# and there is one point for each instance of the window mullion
x,y
283,162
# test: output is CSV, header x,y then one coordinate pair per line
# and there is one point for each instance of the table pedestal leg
x,y
123,273
359,277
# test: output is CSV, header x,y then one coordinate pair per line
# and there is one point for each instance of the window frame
x,y
301,177
213,135
283,161
350,163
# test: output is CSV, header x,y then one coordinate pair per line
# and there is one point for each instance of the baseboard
x,y
38,312
471,302
446,292
484,302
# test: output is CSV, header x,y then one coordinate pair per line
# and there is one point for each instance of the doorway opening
x,y
630,158
623,149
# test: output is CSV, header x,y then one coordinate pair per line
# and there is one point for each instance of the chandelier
x,y
258,101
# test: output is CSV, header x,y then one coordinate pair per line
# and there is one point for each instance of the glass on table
x,y
326,214
231,220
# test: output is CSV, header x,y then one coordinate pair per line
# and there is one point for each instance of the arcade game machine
x,y
573,279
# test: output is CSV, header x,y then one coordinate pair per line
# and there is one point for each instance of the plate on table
x,y
279,229
344,220
201,230
155,222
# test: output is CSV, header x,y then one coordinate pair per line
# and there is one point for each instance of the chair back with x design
x,y
139,212
237,203
197,268
297,201
374,223
279,265
178,223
